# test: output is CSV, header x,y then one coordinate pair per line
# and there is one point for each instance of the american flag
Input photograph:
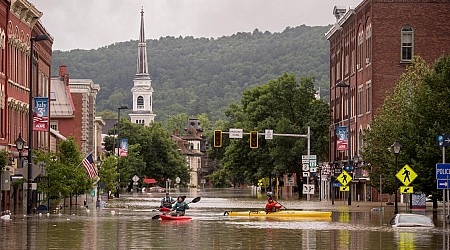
x,y
89,165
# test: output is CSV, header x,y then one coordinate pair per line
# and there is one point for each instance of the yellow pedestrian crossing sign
x,y
406,190
344,178
344,188
406,175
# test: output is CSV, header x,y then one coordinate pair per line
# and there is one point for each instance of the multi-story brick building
x,y
73,110
370,46
19,22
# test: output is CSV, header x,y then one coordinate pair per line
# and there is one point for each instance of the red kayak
x,y
170,217
165,209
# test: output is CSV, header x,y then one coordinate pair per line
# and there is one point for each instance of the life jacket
x,y
167,201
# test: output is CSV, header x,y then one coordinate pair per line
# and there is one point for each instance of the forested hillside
x,y
201,75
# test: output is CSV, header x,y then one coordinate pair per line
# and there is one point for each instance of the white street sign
x,y
135,178
290,181
235,133
305,174
308,189
268,134
312,161
305,167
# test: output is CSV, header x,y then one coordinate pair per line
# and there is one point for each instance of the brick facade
x,y
366,53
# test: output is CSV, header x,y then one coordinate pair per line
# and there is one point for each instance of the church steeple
x,y
142,88
142,63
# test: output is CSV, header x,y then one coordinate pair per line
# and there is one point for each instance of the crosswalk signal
x,y
253,139
217,138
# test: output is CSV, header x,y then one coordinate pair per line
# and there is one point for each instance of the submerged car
x,y
411,220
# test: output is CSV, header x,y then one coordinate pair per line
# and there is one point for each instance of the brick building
x,y
73,111
370,46
19,22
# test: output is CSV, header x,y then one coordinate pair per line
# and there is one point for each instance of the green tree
x,y
413,115
284,105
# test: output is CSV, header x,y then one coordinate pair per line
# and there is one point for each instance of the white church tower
x,y
142,89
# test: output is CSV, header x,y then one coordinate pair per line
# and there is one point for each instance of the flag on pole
x,y
89,165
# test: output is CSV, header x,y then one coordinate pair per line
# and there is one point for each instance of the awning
x,y
150,181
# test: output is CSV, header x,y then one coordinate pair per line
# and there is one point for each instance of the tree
x,y
286,106
413,114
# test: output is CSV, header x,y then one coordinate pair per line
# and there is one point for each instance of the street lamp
x,y
19,145
396,148
30,119
349,142
99,164
118,145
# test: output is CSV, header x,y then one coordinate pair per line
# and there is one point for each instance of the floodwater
x,y
129,225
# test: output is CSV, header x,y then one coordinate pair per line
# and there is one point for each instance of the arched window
x,y
407,43
140,102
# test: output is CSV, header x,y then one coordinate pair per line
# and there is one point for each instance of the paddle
x,y
270,196
195,200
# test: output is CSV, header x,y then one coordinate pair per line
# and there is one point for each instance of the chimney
x,y
62,70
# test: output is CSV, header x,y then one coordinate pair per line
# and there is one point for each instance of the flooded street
x,y
129,225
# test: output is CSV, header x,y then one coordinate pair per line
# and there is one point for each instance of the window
x,y
368,96
360,100
54,125
360,50
368,44
140,102
407,40
52,96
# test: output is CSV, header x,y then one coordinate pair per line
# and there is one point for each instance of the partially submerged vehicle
x,y
411,220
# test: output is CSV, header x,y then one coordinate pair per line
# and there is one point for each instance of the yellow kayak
x,y
281,213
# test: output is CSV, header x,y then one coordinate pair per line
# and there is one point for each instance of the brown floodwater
x,y
127,224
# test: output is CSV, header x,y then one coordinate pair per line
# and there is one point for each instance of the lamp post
x,y
396,147
118,145
99,164
349,141
30,119
19,145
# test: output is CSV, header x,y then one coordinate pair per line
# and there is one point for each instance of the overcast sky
x,y
90,24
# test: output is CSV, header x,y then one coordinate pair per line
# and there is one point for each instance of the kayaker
x,y
272,206
167,201
179,207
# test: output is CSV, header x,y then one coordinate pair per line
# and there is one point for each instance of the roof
x,y
61,104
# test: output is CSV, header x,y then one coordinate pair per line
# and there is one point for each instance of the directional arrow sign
x,y
443,140
442,184
406,190
344,178
344,188
406,175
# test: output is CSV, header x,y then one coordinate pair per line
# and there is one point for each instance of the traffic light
x,y
253,139
217,138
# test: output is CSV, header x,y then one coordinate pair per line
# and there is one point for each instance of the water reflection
x,y
130,227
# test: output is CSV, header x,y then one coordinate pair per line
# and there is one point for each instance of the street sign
x,y
406,175
290,181
406,190
305,174
135,178
308,189
442,184
442,171
344,178
268,135
443,140
235,133
305,167
344,188
312,161
135,183
337,184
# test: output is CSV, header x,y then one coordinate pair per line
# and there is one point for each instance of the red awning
x,y
150,181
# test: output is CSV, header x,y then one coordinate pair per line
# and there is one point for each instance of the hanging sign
x,y
123,147
40,114
341,133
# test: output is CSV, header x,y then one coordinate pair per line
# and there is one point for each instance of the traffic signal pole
x,y
307,136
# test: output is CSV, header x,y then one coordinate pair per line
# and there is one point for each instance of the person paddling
x,y
179,208
167,201
272,206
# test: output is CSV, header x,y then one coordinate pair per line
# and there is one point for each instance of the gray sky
x,y
89,24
